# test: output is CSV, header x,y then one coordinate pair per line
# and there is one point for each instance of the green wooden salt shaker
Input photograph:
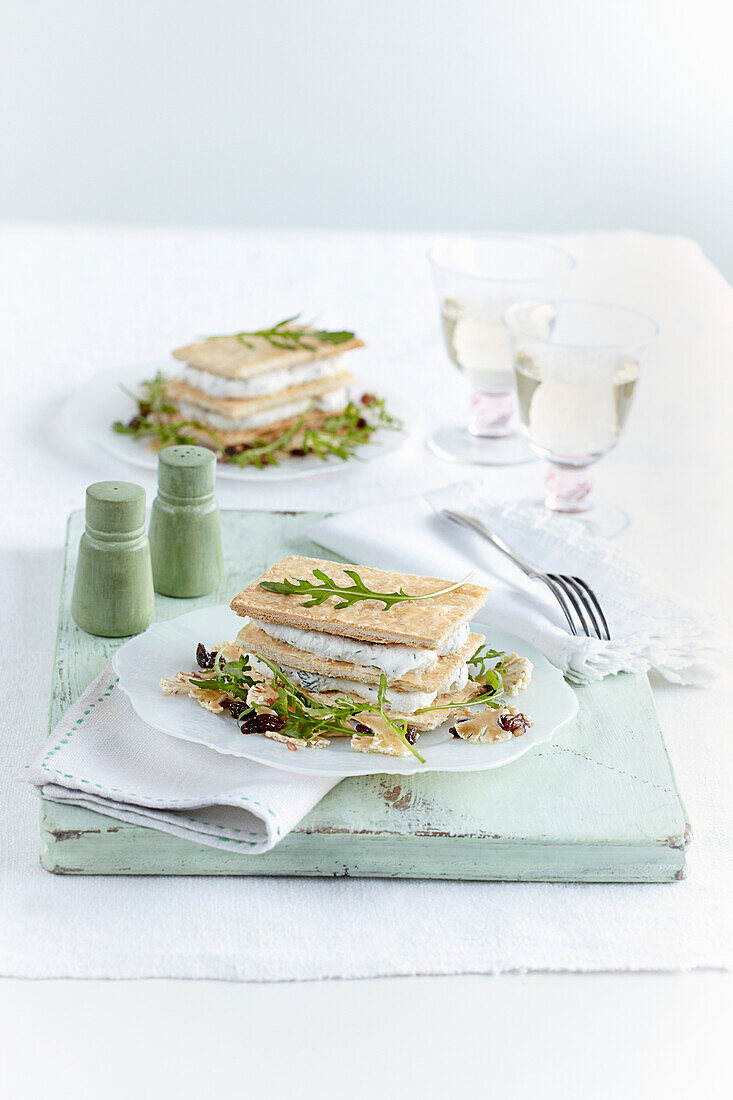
x,y
113,586
185,532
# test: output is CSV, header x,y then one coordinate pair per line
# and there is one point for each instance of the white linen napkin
x,y
647,631
103,757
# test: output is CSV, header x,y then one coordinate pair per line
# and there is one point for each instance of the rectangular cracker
x,y
419,722
237,407
427,623
316,418
253,640
230,358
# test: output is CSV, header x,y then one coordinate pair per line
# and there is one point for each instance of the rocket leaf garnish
x,y
348,595
480,660
289,337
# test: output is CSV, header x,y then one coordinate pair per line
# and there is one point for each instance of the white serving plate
x,y
91,411
165,648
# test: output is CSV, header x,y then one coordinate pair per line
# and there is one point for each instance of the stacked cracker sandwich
x,y
254,387
421,645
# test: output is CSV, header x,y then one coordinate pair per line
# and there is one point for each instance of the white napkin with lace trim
x,y
647,631
103,757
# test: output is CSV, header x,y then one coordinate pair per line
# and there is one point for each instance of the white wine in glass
x,y
575,385
476,278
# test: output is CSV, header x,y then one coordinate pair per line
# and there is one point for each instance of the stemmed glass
x,y
575,383
476,278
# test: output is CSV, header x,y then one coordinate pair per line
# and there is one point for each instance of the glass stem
x,y
569,488
490,412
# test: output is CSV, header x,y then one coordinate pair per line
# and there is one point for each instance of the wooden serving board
x,y
597,804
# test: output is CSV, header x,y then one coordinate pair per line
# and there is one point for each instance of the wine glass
x,y
476,278
575,382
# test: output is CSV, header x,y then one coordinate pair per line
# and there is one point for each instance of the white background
x,y
543,115
434,114
77,301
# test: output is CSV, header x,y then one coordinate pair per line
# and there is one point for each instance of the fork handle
x,y
476,525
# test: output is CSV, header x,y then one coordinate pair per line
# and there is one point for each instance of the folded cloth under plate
x,y
101,756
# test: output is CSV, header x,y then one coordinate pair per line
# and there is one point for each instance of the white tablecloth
x,y
78,301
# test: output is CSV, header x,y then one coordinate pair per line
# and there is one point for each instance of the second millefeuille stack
x,y
250,388
421,647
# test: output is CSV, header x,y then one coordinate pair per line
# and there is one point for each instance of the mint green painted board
x,y
598,804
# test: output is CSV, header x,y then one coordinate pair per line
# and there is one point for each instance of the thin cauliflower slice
x,y
516,674
262,695
296,742
209,700
385,740
229,651
489,727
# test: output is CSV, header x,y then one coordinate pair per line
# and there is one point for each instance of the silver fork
x,y
577,600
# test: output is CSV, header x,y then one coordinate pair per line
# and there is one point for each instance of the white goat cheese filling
x,y
395,661
269,382
328,402
405,702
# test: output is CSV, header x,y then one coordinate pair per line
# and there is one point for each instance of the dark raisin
x,y
234,449
237,707
454,731
270,722
245,722
360,727
135,422
411,737
203,657
299,452
516,724
361,422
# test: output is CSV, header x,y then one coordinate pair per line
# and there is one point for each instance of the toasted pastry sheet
x,y
237,407
419,623
421,722
229,357
253,640
316,418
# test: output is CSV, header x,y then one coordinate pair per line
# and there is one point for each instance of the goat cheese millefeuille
x,y
332,650
257,397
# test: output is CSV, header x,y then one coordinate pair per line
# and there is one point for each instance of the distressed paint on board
x,y
599,803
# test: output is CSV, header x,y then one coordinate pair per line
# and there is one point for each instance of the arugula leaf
x,y
488,699
318,593
305,718
491,678
232,677
481,658
400,728
288,338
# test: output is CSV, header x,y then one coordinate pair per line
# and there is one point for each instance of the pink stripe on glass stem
x,y
489,414
568,488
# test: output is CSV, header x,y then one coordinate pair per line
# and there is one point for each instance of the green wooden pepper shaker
x,y
185,532
113,586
